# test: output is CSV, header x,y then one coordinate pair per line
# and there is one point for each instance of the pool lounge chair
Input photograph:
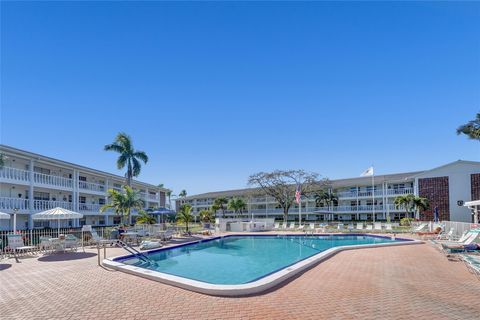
x,y
388,227
419,227
292,225
71,242
350,227
473,263
369,227
359,225
461,246
300,228
276,226
340,226
377,226
284,226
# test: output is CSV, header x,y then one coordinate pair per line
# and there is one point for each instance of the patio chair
x,y
167,235
377,226
350,227
359,225
369,227
283,226
45,244
340,226
460,246
15,243
301,227
388,227
292,225
71,242
276,226
473,263
311,226
445,236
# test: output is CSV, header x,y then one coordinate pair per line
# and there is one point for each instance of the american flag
x,y
298,193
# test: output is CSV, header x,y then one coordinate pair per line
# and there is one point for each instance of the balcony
x,y
8,204
52,181
378,193
89,207
42,205
90,186
8,174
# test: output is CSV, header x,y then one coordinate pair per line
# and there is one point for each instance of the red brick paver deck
x,y
407,282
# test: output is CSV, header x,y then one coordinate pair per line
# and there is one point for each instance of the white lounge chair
x,y
369,227
419,228
284,226
377,226
470,238
388,227
340,226
359,225
71,242
15,243
292,225
311,226
276,226
350,227
301,227
45,245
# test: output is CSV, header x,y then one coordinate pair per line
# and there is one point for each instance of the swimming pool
x,y
243,261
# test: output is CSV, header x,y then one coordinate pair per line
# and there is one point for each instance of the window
x,y
37,195
41,170
101,221
101,201
82,199
82,178
117,220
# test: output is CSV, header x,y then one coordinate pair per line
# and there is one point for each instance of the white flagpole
x,y
373,194
300,211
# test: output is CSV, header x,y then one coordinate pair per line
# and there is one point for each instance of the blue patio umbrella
x,y
435,214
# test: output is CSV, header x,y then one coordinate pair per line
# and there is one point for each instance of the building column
x,y
145,206
30,195
76,194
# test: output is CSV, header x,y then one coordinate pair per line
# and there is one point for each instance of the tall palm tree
x,y
323,198
183,193
237,205
206,216
412,204
219,204
184,215
129,157
471,129
123,202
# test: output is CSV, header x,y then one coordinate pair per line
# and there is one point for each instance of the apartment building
x,y
31,183
447,187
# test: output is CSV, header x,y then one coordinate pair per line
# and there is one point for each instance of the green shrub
x,y
406,221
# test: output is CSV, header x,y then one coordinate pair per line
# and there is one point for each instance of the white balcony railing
x,y
378,193
91,186
394,192
50,180
153,197
13,203
89,207
14,174
41,205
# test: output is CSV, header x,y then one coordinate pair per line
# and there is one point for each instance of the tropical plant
x,y
324,198
471,128
184,215
206,216
412,204
219,204
237,205
128,157
2,160
183,193
145,218
123,202
281,185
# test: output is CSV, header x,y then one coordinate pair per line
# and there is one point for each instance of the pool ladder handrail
x,y
135,252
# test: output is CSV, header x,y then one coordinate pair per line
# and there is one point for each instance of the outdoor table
x,y
58,244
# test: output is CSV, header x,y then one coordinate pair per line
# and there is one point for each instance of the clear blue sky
x,y
216,91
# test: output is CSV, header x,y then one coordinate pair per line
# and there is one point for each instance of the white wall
x,y
459,181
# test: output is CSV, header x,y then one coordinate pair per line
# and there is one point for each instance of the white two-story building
x,y
30,183
446,187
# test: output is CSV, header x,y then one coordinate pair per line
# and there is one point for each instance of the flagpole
x,y
373,193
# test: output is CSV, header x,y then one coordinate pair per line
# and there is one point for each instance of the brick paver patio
x,y
407,282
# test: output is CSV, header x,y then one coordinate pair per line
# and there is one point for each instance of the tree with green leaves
x,y
412,204
471,129
324,198
184,215
183,193
237,205
220,204
206,216
145,218
129,157
123,202
282,185
2,160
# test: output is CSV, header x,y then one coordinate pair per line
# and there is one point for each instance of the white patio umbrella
x,y
4,215
57,214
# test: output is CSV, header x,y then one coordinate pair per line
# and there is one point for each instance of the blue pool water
x,y
243,259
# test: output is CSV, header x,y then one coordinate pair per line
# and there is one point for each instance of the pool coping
x,y
255,287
